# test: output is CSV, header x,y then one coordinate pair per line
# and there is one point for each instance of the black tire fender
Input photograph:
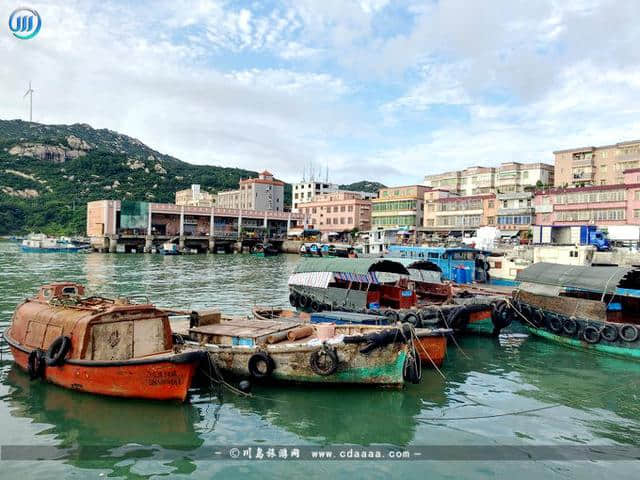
x,y
315,306
57,351
392,315
254,365
324,362
36,364
411,318
553,322
591,334
570,326
609,332
293,299
629,333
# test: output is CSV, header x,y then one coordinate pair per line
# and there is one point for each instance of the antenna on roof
x,y
326,177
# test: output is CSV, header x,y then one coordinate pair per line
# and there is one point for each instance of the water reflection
x,y
92,429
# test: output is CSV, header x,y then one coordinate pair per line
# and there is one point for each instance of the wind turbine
x,y
30,93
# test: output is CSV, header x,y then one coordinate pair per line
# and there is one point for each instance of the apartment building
x,y
195,197
454,212
337,212
401,207
604,165
262,193
304,192
515,210
601,205
508,177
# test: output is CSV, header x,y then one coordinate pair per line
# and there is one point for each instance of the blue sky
x,y
376,89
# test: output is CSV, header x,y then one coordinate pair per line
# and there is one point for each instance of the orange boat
x,y
99,345
431,345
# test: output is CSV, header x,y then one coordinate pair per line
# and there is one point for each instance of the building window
x,y
636,213
350,220
342,220
490,204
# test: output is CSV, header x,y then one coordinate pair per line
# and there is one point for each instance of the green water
x,y
573,398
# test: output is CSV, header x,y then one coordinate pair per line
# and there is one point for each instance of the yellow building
x,y
195,197
399,207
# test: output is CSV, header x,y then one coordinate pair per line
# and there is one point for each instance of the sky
x,y
373,89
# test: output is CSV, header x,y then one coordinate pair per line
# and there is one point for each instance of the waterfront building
x,y
604,165
140,224
507,178
337,212
305,192
515,211
458,213
195,197
262,193
399,207
601,205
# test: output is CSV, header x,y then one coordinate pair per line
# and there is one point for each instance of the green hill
x,y
363,186
49,172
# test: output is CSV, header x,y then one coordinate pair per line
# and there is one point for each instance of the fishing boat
x,y
292,351
591,308
40,243
98,345
264,250
169,248
385,286
431,343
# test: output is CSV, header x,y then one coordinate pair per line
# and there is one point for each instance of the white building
x,y
262,193
304,192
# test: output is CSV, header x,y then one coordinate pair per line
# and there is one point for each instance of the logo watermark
x,y
25,23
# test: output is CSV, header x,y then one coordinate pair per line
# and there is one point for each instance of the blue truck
x,y
571,235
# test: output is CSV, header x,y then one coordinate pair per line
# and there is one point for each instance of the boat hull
x,y
617,350
162,378
383,366
480,322
49,250
432,350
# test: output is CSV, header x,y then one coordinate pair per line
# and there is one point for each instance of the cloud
x,y
379,90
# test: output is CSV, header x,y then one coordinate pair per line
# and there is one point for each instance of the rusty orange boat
x,y
99,345
431,345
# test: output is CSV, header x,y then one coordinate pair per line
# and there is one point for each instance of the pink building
x,y
337,212
600,205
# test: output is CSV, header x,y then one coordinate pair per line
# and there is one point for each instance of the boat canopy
x,y
598,279
412,264
361,266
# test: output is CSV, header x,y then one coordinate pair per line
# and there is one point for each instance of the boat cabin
x,y
609,294
351,283
99,328
459,264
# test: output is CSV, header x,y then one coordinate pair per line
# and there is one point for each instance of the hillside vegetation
x,y
49,172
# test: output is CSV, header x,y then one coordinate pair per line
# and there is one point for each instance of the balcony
x,y
516,211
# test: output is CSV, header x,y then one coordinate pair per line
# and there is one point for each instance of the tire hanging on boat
x,y
609,333
303,301
392,315
536,316
501,315
315,306
324,362
57,351
36,364
412,319
412,368
570,326
258,359
629,333
293,299
553,322
591,334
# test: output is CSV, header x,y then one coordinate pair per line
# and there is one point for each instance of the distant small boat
x,y
44,244
170,249
264,250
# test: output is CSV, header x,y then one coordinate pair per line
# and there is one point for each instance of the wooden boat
x,y
291,351
430,343
386,286
591,308
99,345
